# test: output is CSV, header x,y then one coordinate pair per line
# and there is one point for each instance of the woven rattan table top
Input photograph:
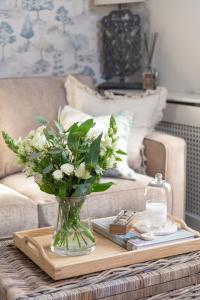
x,y
22,279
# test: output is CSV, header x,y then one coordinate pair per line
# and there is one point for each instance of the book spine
x,y
131,246
111,237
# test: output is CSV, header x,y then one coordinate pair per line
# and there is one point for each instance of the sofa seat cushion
x,y
47,204
124,194
17,212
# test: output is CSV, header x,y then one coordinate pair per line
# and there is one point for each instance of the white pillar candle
x,y
156,213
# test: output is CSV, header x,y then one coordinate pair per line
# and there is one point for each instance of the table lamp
x,y
121,34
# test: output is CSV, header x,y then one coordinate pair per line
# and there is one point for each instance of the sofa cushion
x,y
47,204
17,212
124,194
124,122
146,108
21,100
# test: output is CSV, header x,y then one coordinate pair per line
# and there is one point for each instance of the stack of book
x,y
132,240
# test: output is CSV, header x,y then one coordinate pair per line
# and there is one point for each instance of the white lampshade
x,y
110,2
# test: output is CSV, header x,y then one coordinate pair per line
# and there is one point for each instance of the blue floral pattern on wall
x,y
48,37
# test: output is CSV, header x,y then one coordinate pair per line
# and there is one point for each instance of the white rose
x,y
39,141
40,129
58,174
67,169
111,162
82,172
31,134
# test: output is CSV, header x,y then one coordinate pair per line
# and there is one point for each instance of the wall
x,y
44,37
178,52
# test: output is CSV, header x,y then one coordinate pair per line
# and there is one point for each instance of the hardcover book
x,y
132,241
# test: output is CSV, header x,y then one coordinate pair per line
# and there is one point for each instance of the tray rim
x,y
23,238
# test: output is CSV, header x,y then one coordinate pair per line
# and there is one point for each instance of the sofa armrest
x,y
166,154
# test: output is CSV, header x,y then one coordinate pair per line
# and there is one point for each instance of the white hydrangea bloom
x,y
28,170
58,174
82,172
67,169
40,129
39,141
31,134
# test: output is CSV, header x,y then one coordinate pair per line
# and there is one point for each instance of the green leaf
x,y
10,142
35,155
77,131
73,138
82,190
121,152
54,152
101,187
118,159
112,127
64,157
93,154
59,126
49,134
41,120
85,127
48,169
47,189
62,190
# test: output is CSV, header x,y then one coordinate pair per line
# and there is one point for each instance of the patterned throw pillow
x,y
124,121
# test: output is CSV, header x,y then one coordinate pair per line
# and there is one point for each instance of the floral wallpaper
x,y
49,37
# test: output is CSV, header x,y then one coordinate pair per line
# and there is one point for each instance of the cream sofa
x,y
24,206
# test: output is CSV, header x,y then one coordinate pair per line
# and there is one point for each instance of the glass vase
x,y
73,235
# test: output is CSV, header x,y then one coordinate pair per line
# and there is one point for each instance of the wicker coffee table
x,y
173,278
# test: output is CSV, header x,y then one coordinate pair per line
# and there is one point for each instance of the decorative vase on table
x,y
74,234
69,163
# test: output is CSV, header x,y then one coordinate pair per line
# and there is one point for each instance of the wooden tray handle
x,y
183,225
37,249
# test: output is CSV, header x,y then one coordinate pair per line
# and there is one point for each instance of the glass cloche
x,y
158,201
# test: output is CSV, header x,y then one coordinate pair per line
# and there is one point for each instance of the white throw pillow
x,y
147,110
124,122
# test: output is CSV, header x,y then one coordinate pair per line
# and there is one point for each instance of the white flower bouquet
x,y
68,164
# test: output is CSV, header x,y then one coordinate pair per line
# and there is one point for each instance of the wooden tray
x,y
36,245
